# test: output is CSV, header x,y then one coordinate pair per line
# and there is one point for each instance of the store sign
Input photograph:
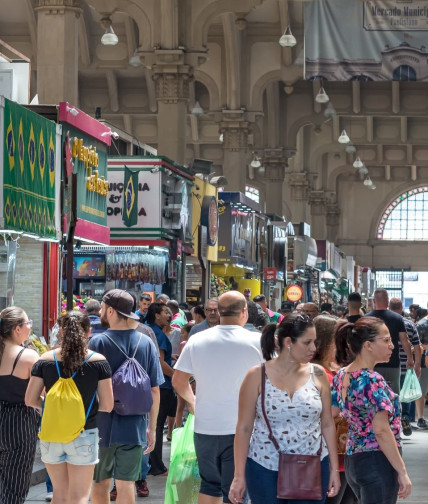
x,y
28,171
209,218
294,293
149,204
269,274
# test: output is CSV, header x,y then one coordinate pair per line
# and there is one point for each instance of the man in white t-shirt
x,y
219,359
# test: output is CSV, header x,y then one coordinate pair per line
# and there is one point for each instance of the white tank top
x,y
295,423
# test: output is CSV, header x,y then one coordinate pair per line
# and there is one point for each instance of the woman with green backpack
x,y
78,385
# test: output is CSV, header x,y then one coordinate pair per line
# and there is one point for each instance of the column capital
x,y
333,214
235,129
172,82
275,161
58,6
299,185
318,202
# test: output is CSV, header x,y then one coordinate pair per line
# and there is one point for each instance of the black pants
x,y
167,407
18,437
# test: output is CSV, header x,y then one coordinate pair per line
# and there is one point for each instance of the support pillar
x,y
57,50
318,203
235,131
333,216
299,186
274,162
172,82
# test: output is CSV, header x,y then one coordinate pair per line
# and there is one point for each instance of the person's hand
x,y
237,490
151,440
333,484
405,485
418,369
410,364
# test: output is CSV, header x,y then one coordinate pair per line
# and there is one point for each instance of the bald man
x,y
395,324
219,359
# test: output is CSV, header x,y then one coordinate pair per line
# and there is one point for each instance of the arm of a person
x,y
166,368
180,382
328,430
105,395
153,416
407,348
33,393
248,395
418,354
388,445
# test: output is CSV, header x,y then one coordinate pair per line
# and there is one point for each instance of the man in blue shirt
x,y
158,316
92,308
122,437
143,306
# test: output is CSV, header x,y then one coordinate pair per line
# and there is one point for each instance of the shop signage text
x,y
89,157
269,274
115,199
294,293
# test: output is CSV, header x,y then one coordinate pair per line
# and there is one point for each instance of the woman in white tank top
x,y
298,407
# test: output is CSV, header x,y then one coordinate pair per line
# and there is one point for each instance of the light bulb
x,y
322,96
367,182
358,163
350,148
343,139
255,163
287,39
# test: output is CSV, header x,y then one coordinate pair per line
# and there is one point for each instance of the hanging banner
x,y
366,41
130,198
28,171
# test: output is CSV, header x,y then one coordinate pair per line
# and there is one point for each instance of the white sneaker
x,y
49,496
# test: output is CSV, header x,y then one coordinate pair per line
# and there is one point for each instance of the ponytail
x,y
343,332
268,341
74,343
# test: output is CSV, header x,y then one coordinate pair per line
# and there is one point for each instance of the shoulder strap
x,y
57,366
84,362
16,360
138,344
116,345
271,436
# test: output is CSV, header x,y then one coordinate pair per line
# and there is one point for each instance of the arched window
x,y
361,78
404,73
406,218
252,193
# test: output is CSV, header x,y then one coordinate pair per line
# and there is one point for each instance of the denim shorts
x,y
81,451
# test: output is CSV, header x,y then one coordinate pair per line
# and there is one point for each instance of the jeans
x,y
167,406
49,487
372,478
145,465
261,484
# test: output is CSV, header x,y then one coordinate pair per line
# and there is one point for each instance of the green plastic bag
x,y
411,389
183,482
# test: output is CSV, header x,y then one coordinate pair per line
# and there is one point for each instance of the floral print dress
x,y
367,394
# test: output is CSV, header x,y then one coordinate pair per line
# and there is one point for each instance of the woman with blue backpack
x,y
78,385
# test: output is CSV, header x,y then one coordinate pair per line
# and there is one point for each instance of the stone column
x,y
299,187
274,162
235,130
57,50
172,80
318,203
333,215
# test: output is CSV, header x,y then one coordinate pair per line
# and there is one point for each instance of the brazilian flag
x,y
130,199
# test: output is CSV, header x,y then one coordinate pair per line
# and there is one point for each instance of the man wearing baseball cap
x,y
121,437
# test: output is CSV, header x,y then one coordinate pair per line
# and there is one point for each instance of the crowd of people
x,y
305,380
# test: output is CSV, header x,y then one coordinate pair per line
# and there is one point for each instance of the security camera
x,y
218,181
115,135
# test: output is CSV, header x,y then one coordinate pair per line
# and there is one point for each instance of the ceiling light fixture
x,y
322,96
344,139
287,39
134,60
197,110
109,38
329,111
350,148
357,163
367,181
373,187
363,170
255,163
221,137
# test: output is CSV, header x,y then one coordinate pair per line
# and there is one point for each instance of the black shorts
x,y
216,466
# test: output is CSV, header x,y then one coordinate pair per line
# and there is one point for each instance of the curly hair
x,y
74,342
10,317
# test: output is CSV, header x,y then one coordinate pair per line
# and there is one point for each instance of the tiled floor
x,y
415,449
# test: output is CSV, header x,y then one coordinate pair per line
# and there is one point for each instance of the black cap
x,y
122,302
286,306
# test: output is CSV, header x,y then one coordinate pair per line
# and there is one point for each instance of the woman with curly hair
x,y
18,423
71,465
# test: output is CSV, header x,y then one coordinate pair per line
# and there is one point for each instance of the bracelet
x,y
337,470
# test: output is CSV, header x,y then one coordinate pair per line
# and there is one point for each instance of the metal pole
x,y
72,208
